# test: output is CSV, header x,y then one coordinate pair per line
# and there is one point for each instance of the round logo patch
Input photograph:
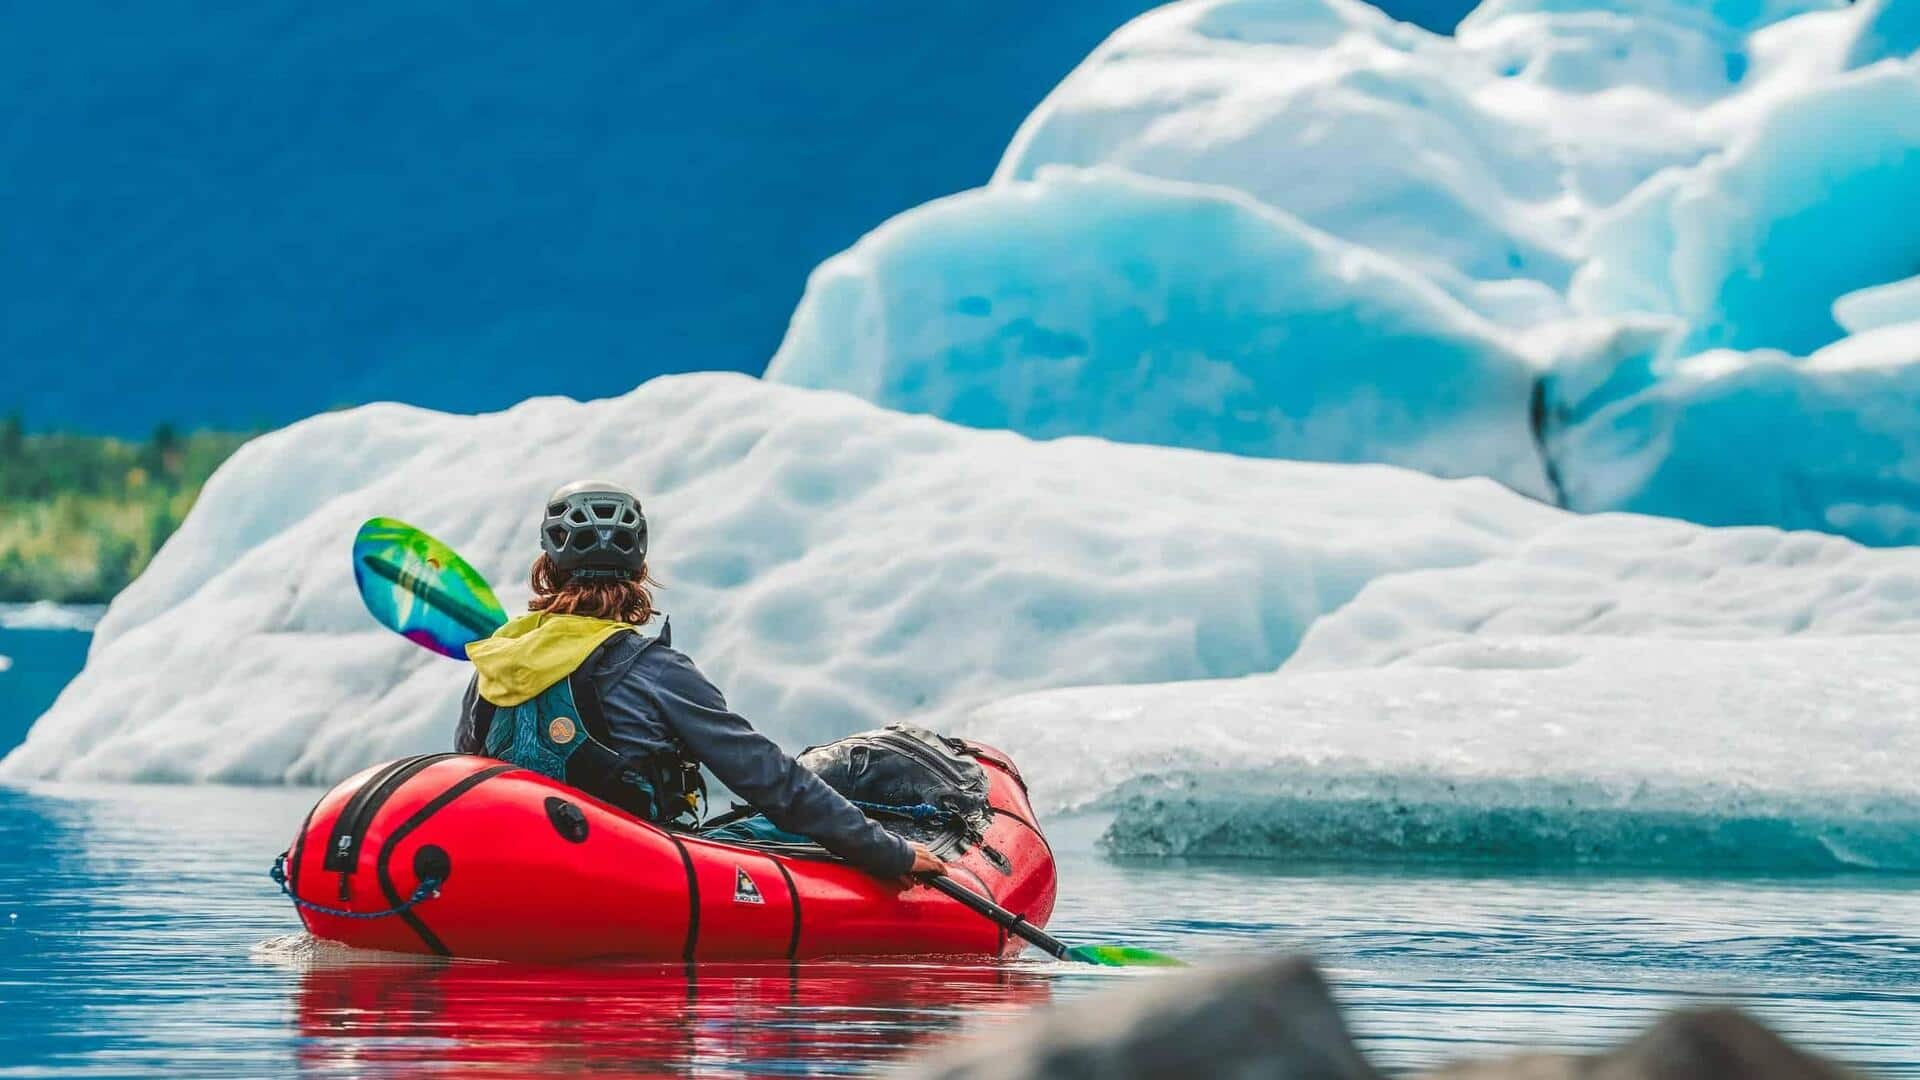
x,y
560,730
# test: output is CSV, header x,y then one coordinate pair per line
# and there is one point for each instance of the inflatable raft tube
x,y
531,869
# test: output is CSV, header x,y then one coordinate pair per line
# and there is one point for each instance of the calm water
x,y
39,663
142,936
139,935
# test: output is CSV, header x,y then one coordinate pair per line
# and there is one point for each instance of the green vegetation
x,y
81,515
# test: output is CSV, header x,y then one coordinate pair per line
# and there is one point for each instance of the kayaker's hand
x,y
925,862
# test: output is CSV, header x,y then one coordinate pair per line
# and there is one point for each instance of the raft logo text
x,y
744,890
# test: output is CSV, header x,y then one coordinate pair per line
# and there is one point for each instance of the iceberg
x,y
1627,576
1887,31
1543,732
1879,306
1151,312
1643,210
1478,159
1750,248
1612,690
836,567
1829,441
1205,646
1238,379
1326,110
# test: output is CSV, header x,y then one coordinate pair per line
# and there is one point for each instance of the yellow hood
x,y
535,651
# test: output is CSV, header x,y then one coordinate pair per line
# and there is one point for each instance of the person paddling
x,y
573,690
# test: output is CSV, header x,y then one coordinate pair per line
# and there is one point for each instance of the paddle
x,y
421,589
1104,955
424,591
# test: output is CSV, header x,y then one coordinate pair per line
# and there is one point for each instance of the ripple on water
x,y
151,941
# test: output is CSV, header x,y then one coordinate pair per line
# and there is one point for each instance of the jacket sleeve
x,y
757,770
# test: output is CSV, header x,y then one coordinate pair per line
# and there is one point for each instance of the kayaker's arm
x,y
757,770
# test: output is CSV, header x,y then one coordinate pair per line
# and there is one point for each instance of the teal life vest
x,y
562,733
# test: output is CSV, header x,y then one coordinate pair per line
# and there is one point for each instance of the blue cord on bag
x,y
427,890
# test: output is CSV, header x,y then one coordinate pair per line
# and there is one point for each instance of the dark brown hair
x,y
556,592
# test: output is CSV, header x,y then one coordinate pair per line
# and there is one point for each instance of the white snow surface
x,y
1613,689
1783,753
1271,657
1605,188
1879,306
833,567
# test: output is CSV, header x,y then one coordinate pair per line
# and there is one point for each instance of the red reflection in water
x,y
413,1018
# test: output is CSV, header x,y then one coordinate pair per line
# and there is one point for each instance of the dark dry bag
x,y
901,767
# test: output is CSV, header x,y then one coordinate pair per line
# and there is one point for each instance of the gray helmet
x,y
595,529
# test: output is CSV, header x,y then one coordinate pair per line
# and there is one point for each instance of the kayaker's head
x,y
593,555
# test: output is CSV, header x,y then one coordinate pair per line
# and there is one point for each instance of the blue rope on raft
x,y
918,811
427,890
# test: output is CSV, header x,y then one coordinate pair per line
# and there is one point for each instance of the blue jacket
x,y
657,703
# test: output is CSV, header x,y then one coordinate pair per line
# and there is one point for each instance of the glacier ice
x,y
835,566
1776,753
1751,247
1647,256
1270,657
1879,306
1326,110
1830,441
1157,313
1612,690
1888,30
1630,577
1691,50
1495,162
1613,188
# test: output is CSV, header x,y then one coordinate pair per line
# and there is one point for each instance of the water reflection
x,y
143,911
398,1017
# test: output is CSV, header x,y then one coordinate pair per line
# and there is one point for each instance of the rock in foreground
x,y
1276,1018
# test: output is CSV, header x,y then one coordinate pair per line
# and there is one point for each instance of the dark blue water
x,y
41,663
243,214
139,936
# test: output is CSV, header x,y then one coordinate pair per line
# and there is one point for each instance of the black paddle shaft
x,y
1007,920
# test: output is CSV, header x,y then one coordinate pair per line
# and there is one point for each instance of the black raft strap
x,y
602,770
596,766
586,701
483,711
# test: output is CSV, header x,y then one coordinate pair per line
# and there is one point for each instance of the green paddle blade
x,y
418,588
1121,956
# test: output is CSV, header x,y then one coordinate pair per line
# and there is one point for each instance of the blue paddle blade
x,y
419,588
1121,956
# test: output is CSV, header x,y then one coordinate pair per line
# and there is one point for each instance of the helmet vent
x,y
594,526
